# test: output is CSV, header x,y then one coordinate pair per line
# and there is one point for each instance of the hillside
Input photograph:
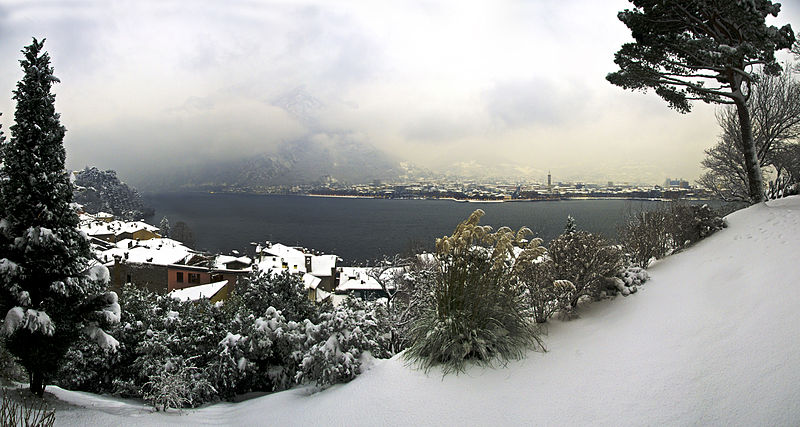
x,y
712,339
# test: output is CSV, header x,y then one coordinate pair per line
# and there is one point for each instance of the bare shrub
x,y
29,411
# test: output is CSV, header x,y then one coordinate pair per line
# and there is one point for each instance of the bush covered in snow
x,y
177,354
588,262
475,310
545,293
341,338
261,290
655,234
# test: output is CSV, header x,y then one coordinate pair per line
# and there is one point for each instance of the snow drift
x,y
712,339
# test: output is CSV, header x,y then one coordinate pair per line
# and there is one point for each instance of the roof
x,y
195,293
274,257
101,228
356,278
160,251
221,261
310,281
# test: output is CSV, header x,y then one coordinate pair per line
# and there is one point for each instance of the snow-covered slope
x,y
712,339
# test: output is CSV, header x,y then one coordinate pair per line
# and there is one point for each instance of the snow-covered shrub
x,y
341,338
258,354
656,234
690,223
544,292
476,310
587,261
631,279
175,385
412,298
284,291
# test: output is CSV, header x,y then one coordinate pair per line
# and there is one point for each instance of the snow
x,y
33,320
159,251
353,278
99,272
710,339
195,293
104,340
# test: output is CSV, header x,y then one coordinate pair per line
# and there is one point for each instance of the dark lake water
x,y
358,230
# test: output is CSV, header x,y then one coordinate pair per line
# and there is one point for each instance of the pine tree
x,y
706,50
50,287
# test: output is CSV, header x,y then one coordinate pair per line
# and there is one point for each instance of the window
x,y
129,279
179,276
194,277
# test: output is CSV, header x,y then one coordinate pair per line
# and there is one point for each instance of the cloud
x,y
518,84
539,101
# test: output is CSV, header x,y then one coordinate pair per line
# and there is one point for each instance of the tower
x,y
549,180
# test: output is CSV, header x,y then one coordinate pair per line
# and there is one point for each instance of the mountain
x,y
322,158
102,191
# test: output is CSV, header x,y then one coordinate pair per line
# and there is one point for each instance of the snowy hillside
x,y
712,339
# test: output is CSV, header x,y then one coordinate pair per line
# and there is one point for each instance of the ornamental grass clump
x,y
476,310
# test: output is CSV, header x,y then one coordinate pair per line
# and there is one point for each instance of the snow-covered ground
x,y
712,339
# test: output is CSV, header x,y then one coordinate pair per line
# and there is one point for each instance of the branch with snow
x,y
32,320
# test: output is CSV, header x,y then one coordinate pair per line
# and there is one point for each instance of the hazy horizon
x,y
450,86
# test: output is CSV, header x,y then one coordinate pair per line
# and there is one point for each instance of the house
x,y
318,270
163,265
358,282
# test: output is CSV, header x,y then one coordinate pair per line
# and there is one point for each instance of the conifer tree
x,y
50,287
706,50
164,227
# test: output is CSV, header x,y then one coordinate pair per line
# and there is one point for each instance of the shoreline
x,y
451,199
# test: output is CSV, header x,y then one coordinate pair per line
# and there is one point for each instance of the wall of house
x,y
172,282
206,277
150,276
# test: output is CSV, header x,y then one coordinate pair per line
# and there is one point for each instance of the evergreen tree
x,y
164,226
570,227
704,50
50,287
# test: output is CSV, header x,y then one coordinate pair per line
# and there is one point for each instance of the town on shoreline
x,y
476,191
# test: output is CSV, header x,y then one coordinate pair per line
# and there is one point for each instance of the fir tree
x,y
50,287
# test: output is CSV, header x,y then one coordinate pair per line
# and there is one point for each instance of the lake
x,y
359,230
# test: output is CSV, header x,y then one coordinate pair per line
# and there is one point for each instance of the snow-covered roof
x,y
311,281
323,265
160,251
274,257
195,293
356,278
99,228
221,261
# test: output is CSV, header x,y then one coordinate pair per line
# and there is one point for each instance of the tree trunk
x,y
755,181
37,383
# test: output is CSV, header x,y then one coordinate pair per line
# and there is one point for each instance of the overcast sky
x,y
507,84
